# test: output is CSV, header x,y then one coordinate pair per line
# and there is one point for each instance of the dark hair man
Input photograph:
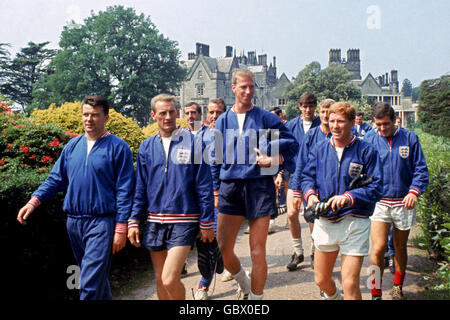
x,y
299,126
405,179
96,171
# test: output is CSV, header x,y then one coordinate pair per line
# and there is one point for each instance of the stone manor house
x,y
381,88
209,78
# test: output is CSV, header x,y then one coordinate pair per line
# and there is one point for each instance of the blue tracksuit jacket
x,y
178,190
312,138
98,184
235,158
403,163
326,176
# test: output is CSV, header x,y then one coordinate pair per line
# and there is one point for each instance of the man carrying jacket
x,y
405,179
96,172
332,165
175,193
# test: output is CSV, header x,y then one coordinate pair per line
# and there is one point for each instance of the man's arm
x,y
124,194
420,175
204,190
56,182
139,196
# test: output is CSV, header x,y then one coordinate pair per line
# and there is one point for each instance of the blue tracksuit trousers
x,y
91,241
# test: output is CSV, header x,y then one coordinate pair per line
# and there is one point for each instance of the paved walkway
x,y
281,284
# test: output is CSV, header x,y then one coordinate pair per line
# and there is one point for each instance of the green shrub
x,y
25,145
434,204
68,117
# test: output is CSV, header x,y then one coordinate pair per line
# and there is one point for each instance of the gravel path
x,y
281,284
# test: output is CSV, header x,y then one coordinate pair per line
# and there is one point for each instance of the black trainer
x,y
184,270
295,260
391,264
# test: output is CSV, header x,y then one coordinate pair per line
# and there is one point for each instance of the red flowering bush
x,y
24,145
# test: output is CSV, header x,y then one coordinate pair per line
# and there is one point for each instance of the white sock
x,y
298,247
336,296
243,280
253,296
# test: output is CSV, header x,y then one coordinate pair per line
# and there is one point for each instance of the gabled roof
x,y
211,65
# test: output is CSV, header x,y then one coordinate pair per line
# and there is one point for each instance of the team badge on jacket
x,y
404,151
355,169
183,156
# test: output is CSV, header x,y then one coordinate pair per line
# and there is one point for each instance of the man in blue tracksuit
x,y
174,192
332,165
299,126
405,179
205,134
96,172
360,128
243,179
312,138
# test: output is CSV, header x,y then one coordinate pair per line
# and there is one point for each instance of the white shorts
x,y
350,236
402,218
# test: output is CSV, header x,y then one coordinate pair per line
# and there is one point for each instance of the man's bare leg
x,y
323,271
350,271
258,240
169,285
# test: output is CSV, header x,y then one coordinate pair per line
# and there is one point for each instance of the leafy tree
x,y
4,61
434,106
332,82
117,54
415,94
29,65
407,88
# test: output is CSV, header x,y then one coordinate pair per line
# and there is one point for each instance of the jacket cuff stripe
x,y
350,198
309,193
121,228
415,191
34,201
133,223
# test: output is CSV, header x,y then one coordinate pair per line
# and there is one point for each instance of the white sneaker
x,y
241,295
201,294
247,231
226,276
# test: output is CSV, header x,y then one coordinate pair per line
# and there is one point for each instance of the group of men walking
x,y
205,181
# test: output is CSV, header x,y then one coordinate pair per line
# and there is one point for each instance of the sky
x,y
411,36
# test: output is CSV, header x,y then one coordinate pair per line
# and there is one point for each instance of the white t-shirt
x,y
306,125
241,120
166,145
90,144
339,152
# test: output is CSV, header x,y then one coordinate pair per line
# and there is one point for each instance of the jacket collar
x,y
352,141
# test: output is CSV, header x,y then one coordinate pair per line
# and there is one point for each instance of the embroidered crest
x,y
183,156
404,151
355,169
